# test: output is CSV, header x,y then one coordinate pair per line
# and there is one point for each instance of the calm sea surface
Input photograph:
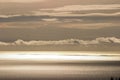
x,y
68,66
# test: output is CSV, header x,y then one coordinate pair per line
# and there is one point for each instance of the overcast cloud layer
x,y
51,22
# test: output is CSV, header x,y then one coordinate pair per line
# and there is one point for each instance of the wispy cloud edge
x,y
97,41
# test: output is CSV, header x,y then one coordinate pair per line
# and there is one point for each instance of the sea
x,y
58,65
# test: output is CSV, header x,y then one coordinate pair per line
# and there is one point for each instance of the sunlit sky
x,y
60,25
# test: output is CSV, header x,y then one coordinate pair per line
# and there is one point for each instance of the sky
x,y
60,25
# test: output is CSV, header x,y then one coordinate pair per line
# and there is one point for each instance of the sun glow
x,y
56,56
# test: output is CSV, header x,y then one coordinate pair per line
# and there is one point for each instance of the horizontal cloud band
x,y
60,15
101,40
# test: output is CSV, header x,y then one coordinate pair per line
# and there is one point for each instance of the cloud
x,y
50,20
102,14
97,41
60,17
71,17
72,13
21,1
36,13
87,7
96,14
88,25
30,24
9,16
66,24
54,15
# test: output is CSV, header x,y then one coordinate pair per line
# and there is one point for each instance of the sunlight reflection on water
x,y
58,56
28,66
